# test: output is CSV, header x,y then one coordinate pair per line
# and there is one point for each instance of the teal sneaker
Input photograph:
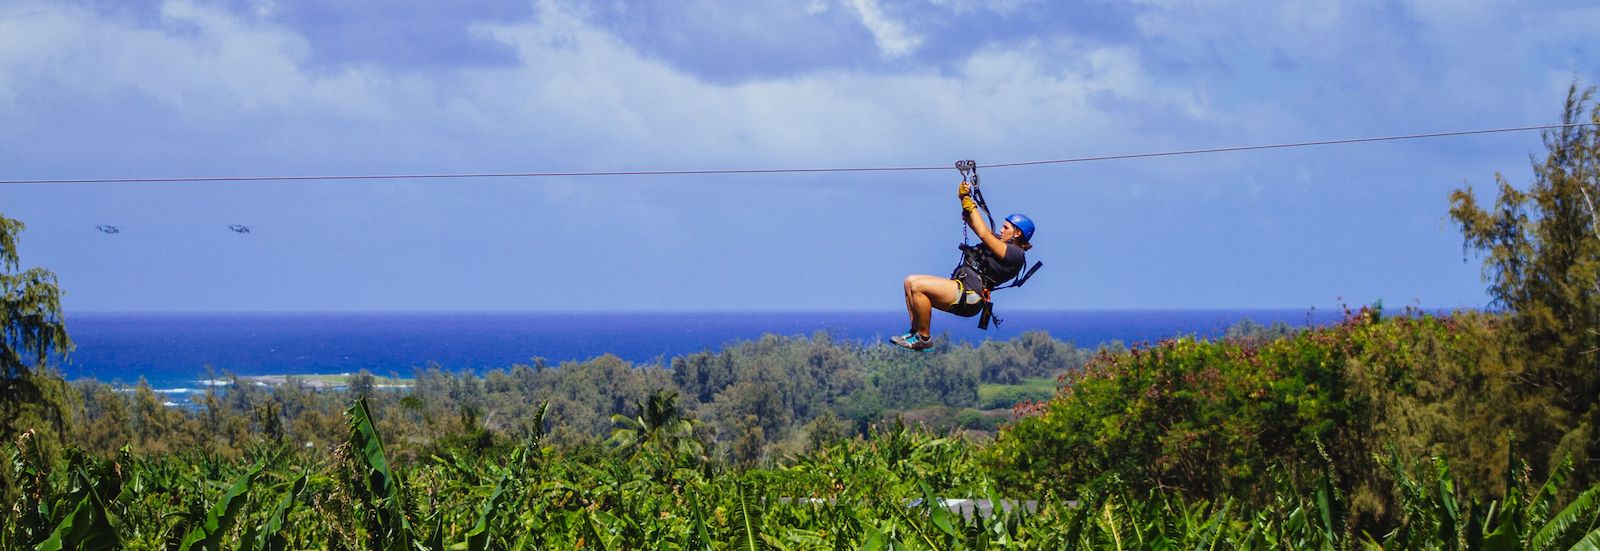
x,y
912,341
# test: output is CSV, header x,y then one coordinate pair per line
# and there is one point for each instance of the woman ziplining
x,y
999,257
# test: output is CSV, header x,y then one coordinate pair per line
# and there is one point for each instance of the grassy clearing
x,y
994,396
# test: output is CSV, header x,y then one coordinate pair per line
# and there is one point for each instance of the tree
x,y
34,329
1541,258
660,428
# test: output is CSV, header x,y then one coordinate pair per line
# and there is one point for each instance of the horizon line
x,y
648,311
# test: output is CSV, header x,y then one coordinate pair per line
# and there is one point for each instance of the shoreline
x,y
321,381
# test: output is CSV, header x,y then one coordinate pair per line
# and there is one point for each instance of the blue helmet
x,y
1022,223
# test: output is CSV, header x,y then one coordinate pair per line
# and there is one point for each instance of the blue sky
x,y
295,87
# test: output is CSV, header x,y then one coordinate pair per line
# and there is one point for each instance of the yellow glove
x,y
964,190
967,204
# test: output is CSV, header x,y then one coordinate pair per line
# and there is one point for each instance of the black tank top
x,y
990,270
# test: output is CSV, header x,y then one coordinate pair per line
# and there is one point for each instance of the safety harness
x,y
970,255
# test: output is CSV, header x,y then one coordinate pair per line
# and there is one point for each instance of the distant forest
x,y
753,400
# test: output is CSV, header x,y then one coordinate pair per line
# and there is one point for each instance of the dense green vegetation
x,y
1217,418
892,490
1541,258
1395,430
755,401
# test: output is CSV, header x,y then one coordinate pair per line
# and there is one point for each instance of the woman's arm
x,y
994,244
969,211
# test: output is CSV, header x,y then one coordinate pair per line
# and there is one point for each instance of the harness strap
x,y
1023,278
988,314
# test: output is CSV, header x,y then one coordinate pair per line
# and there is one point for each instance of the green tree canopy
x,y
33,329
1541,258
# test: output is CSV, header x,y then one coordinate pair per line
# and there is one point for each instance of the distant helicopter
x,y
108,228
239,228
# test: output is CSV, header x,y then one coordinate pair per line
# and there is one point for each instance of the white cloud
x,y
264,8
891,35
200,60
591,88
1002,7
582,98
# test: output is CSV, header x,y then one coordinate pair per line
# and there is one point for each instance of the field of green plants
x,y
652,489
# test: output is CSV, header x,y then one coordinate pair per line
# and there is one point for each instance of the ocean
x,y
174,351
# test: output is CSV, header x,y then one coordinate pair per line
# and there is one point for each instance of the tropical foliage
x,y
898,488
752,401
1223,418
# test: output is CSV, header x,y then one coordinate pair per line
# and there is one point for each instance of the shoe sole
x,y
913,349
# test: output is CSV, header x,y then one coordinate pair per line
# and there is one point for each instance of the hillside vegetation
x,y
1230,417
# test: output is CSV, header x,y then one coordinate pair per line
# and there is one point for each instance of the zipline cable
x,y
781,170
1288,145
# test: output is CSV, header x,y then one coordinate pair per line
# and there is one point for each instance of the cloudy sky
x,y
187,88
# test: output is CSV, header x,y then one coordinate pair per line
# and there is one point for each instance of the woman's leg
x,y
923,294
911,304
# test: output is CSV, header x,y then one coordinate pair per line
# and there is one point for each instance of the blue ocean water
x,y
173,351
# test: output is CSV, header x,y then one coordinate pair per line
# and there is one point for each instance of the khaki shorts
x,y
968,302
